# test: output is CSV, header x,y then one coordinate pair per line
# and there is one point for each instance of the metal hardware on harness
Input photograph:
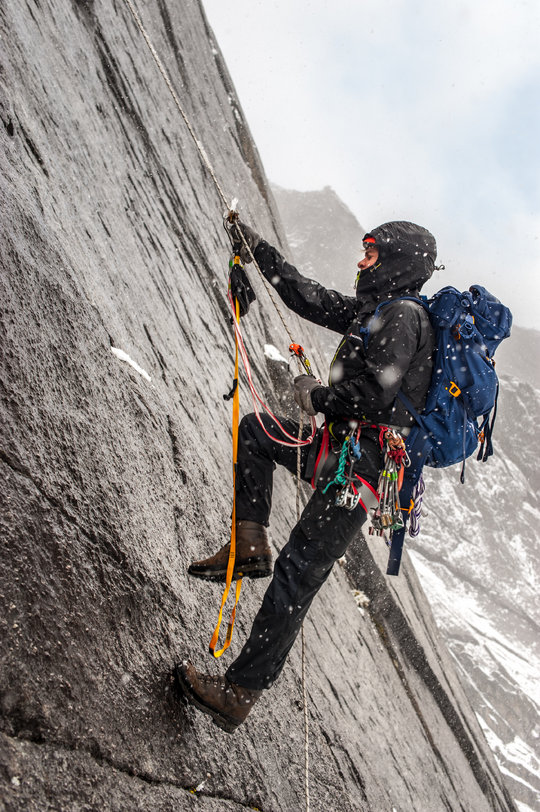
x,y
347,498
388,514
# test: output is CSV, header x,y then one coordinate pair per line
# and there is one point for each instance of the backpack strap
x,y
410,408
418,418
486,431
365,332
418,444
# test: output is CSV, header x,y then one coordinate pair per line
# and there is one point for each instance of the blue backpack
x,y
461,403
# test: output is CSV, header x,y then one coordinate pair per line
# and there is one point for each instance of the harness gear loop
x,y
389,514
232,550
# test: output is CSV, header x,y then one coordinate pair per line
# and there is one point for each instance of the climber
x,y
362,387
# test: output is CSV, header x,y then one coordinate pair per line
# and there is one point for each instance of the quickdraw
x,y
388,514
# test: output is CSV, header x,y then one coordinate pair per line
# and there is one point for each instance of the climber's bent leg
x,y
318,540
257,458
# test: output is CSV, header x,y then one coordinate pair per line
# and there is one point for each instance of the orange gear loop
x,y
232,551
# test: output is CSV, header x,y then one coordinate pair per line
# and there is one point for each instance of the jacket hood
x,y
407,254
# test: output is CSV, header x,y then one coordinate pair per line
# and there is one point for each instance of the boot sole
x,y
224,723
255,569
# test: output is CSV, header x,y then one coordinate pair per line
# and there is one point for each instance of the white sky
x,y
419,110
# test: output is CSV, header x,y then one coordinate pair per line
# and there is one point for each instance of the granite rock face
x,y
116,474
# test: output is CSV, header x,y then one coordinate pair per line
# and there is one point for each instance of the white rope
x,y
208,165
202,153
268,290
304,690
163,72
306,722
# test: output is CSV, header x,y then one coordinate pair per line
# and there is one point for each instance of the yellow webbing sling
x,y
232,551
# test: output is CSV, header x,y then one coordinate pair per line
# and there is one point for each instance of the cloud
x,y
417,110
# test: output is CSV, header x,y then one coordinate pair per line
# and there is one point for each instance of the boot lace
x,y
214,680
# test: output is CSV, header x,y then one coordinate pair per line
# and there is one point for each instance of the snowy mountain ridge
x,y
477,554
484,584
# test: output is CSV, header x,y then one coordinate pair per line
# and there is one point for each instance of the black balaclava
x,y
406,260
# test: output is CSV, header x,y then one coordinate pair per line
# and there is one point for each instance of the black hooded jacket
x,y
364,381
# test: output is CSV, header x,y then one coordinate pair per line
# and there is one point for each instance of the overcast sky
x,y
409,109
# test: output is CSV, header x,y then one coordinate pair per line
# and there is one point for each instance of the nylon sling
x,y
232,551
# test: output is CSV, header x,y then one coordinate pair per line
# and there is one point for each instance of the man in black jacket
x,y
364,381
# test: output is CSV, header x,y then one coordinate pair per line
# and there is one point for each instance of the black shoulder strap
x,y
366,331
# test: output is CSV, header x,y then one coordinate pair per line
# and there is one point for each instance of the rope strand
x,y
172,91
304,689
204,157
221,193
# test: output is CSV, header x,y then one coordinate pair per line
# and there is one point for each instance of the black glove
x,y
251,237
303,387
241,288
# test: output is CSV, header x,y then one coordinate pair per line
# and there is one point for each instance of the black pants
x,y
321,537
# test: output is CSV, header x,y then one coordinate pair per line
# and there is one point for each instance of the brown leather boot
x,y
253,556
228,704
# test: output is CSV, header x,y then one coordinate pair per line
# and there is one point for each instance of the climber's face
x,y
371,254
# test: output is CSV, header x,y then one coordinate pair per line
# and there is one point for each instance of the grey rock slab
x,y
115,475
44,778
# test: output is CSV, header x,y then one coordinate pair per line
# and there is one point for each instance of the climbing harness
x,y
383,504
353,489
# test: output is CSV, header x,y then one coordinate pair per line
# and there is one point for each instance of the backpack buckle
x,y
454,389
